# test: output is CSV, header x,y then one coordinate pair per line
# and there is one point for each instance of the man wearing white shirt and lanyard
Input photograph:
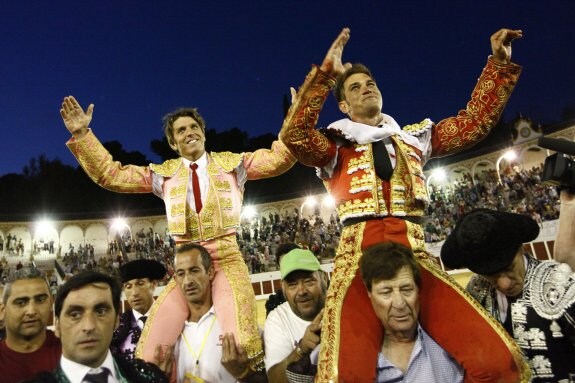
x,y
203,353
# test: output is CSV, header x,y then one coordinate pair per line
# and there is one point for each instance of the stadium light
x,y
249,212
439,175
328,201
311,201
509,156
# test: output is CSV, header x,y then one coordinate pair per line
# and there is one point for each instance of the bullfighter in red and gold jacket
x,y
374,171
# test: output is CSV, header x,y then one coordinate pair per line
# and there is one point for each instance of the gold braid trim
x,y
309,146
424,261
139,352
167,168
236,271
345,268
488,100
228,161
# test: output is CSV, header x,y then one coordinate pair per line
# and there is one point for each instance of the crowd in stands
x,y
520,191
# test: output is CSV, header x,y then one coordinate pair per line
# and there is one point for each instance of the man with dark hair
x,y
534,300
373,169
393,281
87,312
29,348
203,195
291,331
139,280
203,352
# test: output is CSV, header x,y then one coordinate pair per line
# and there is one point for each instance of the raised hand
x,y
332,63
234,357
501,44
75,119
311,337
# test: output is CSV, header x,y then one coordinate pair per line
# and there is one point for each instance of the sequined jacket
x,y
352,181
227,171
543,317
128,330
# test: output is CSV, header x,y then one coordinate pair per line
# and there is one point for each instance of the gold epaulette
x,y
167,168
419,128
228,161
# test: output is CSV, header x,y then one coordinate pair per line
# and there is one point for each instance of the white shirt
x,y
137,317
75,372
203,178
282,331
209,365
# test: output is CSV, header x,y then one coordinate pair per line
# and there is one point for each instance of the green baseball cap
x,y
298,259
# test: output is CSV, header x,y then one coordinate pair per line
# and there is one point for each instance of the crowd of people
x,y
389,312
520,191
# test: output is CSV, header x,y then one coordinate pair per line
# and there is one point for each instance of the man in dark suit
x,y
86,309
139,279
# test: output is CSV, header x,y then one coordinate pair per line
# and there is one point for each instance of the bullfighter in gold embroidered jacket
x,y
374,171
205,210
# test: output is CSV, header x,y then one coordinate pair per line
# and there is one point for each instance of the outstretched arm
x,y
298,132
95,159
488,100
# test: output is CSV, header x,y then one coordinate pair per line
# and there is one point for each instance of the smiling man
x,y
86,309
292,330
29,348
393,281
203,195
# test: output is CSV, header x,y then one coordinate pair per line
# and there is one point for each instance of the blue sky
x,y
234,60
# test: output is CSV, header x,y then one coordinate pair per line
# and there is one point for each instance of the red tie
x,y
196,188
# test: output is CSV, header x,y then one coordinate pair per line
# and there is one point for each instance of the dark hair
x,y
87,278
338,90
169,119
206,258
384,260
24,273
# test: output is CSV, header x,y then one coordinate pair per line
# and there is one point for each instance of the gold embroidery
x,y
178,191
228,161
417,129
309,146
177,209
362,162
222,186
167,168
346,265
232,264
226,203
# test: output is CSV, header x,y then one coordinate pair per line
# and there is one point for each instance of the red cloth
x,y
17,366
196,187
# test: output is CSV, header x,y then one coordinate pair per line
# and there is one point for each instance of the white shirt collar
x,y
209,313
75,372
202,161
